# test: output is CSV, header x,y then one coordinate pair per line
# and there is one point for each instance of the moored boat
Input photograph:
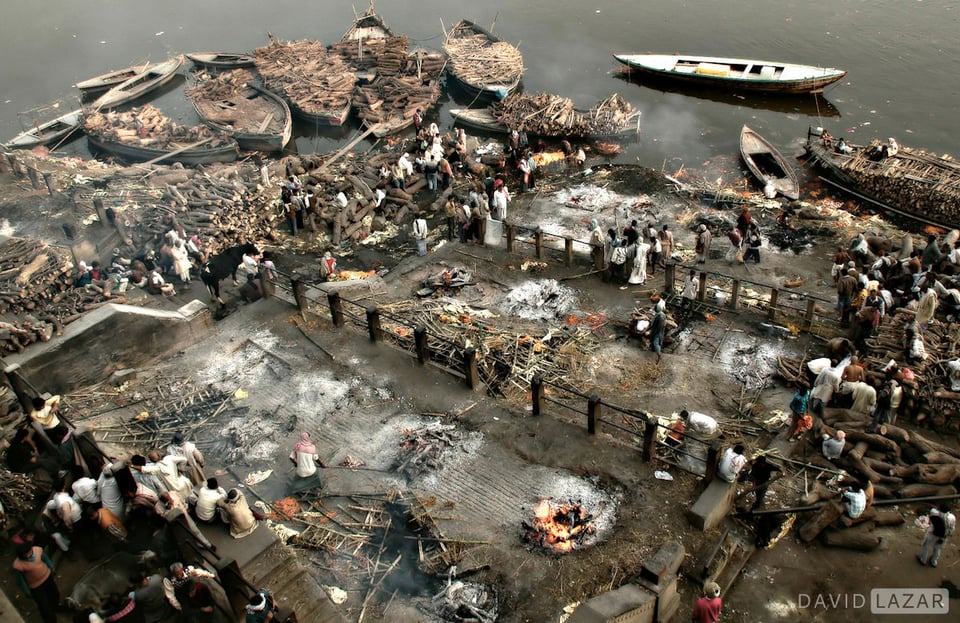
x,y
482,64
768,165
479,119
368,25
233,104
221,61
910,182
48,133
172,152
153,77
740,73
96,86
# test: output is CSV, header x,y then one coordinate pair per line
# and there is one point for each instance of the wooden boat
x,y
393,125
913,183
768,165
221,61
482,64
49,133
739,73
96,86
153,77
369,25
479,119
258,119
173,152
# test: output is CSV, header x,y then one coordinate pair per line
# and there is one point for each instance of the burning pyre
x,y
559,527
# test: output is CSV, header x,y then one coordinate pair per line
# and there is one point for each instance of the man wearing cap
x,y
707,608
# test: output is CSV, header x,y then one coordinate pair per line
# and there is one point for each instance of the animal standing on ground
x,y
222,264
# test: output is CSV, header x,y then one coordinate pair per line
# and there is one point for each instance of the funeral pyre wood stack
x,y
545,114
406,82
146,126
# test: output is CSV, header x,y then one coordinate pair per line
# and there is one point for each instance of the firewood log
x,y
818,493
900,435
926,490
819,521
859,538
938,474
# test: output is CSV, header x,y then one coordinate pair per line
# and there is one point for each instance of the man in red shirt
x,y
34,573
707,608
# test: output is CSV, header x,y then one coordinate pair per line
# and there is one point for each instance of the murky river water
x,y
901,55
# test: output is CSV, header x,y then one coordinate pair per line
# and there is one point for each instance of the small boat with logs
x,y
365,42
151,78
232,103
221,61
146,135
733,73
768,165
48,133
93,88
482,64
913,183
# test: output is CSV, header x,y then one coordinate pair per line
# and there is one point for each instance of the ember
x,y
559,527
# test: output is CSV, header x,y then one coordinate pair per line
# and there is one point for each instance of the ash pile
x,y
425,449
542,299
466,602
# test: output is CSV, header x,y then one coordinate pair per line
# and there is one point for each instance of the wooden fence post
x,y
713,461
538,242
702,292
808,316
511,235
670,277
772,311
536,391
373,324
470,368
300,293
649,440
735,295
34,178
48,180
593,414
336,308
568,251
420,342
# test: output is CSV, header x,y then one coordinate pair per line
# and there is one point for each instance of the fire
x,y
557,526
548,157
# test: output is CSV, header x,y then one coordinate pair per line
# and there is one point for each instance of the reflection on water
x,y
810,104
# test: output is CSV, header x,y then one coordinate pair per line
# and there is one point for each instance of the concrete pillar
x,y
373,324
420,340
336,308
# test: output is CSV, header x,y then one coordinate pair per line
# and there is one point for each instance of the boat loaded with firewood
x,y
389,103
910,182
231,102
482,64
146,135
151,78
316,84
737,73
221,61
48,133
364,43
768,165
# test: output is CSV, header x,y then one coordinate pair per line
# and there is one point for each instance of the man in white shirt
x,y
206,499
732,462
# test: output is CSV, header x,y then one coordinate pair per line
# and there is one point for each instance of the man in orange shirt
x,y
34,573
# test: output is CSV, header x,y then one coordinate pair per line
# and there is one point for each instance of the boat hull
x,y
252,140
768,165
334,118
49,133
480,120
137,153
221,61
481,91
143,83
807,79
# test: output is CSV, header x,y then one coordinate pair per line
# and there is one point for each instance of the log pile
x,y
313,81
545,114
478,60
388,55
392,98
919,181
18,492
146,126
221,86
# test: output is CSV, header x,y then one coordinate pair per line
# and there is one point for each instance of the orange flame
x,y
548,157
555,526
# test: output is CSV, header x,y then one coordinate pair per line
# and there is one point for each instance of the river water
x,y
901,56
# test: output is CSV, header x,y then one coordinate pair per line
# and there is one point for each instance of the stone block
x,y
627,604
712,505
667,560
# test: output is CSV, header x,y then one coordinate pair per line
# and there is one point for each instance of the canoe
x,y
739,73
256,118
482,64
153,77
768,165
480,119
137,153
48,133
914,183
220,61
393,125
98,85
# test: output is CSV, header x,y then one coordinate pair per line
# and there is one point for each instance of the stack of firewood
x,y
223,85
395,97
545,114
311,80
387,55
146,126
475,59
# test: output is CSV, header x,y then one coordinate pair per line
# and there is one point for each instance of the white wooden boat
x,y
153,77
768,165
739,73
48,133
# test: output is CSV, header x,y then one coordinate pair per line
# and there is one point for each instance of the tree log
x,y
818,493
820,520
935,474
926,490
859,538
